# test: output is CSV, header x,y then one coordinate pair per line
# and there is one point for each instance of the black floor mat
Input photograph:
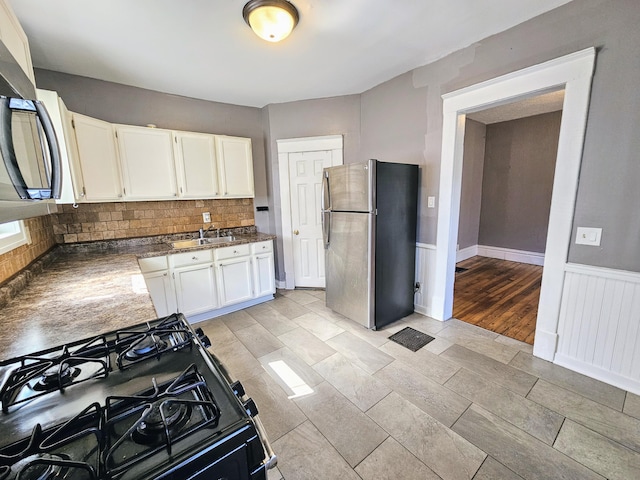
x,y
411,338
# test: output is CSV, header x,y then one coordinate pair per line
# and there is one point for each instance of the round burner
x,y
149,345
151,431
26,469
55,378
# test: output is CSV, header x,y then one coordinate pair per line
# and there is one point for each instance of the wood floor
x,y
498,295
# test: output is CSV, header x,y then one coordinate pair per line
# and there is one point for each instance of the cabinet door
x,y
264,275
15,40
235,166
162,293
234,280
146,155
98,159
196,290
196,166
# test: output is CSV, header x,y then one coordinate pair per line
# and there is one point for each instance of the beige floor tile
x,y
517,450
317,325
360,352
217,331
238,361
515,380
306,345
587,387
597,452
238,320
491,469
427,363
441,403
321,309
352,433
288,308
278,414
300,296
293,375
475,339
604,420
445,452
632,405
353,382
258,340
272,320
391,461
304,454
532,418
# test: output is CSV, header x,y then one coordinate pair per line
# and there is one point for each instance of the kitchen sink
x,y
198,242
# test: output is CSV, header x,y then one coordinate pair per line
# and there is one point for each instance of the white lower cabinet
x,y
162,292
214,282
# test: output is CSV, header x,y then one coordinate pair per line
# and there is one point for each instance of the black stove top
x,y
142,403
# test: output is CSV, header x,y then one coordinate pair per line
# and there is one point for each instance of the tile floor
x,y
341,402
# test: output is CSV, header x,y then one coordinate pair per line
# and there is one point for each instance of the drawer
x,y
230,252
191,258
153,264
262,247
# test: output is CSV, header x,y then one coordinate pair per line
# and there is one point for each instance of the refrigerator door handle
x,y
326,192
326,228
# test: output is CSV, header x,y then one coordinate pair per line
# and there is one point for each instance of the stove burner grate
x,y
140,426
134,346
70,451
39,375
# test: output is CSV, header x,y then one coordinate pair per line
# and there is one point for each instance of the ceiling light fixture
x,y
271,20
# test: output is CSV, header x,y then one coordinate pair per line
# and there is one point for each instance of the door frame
x,y
572,72
298,145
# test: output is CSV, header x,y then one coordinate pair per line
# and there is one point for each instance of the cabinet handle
x,y
164,274
194,258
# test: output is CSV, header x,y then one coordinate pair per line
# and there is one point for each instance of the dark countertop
x,y
88,289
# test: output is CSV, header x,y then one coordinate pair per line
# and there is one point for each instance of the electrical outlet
x,y
206,217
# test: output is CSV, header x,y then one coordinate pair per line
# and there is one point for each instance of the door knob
x,y
296,232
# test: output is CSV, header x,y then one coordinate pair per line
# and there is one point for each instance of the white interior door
x,y
305,181
300,162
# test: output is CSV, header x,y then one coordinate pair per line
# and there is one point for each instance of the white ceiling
x,y
204,49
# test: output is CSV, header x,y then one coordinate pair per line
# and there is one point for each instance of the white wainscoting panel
x,y
599,327
426,276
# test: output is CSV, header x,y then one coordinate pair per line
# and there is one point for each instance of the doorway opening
x,y
574,72
508,170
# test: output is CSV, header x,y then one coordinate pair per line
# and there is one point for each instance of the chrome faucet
x,y
202,232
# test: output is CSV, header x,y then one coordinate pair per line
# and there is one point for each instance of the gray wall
x,y
471,189
608,193
308,118
118,103
519,164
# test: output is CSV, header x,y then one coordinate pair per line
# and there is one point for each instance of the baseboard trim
x,y
466,253
282,285
200,317
598,373
522,256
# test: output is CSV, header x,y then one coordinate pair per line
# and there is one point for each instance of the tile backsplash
x,y
42,240
106,221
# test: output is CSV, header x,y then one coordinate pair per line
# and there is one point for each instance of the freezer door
x,y
350,188
348,266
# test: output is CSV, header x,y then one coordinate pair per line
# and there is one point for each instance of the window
x,y
12,235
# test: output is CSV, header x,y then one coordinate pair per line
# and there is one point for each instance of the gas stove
x,y
148,402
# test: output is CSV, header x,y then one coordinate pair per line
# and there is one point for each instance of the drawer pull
x,y
194,258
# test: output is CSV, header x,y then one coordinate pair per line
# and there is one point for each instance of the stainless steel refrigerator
x,y
369,215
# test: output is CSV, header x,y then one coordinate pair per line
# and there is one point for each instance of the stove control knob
x,y
238,389
203,338
250,407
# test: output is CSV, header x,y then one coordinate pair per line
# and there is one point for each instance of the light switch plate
x,y
588,236
431,202
206,217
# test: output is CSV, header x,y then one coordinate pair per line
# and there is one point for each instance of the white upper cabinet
x,y
98,159
196,166
14,38
146,155
235,166
72,186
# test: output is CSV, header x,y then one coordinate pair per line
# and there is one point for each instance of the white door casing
x,y
288,151
573,72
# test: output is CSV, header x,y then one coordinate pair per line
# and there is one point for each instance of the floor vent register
x,y
411,338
